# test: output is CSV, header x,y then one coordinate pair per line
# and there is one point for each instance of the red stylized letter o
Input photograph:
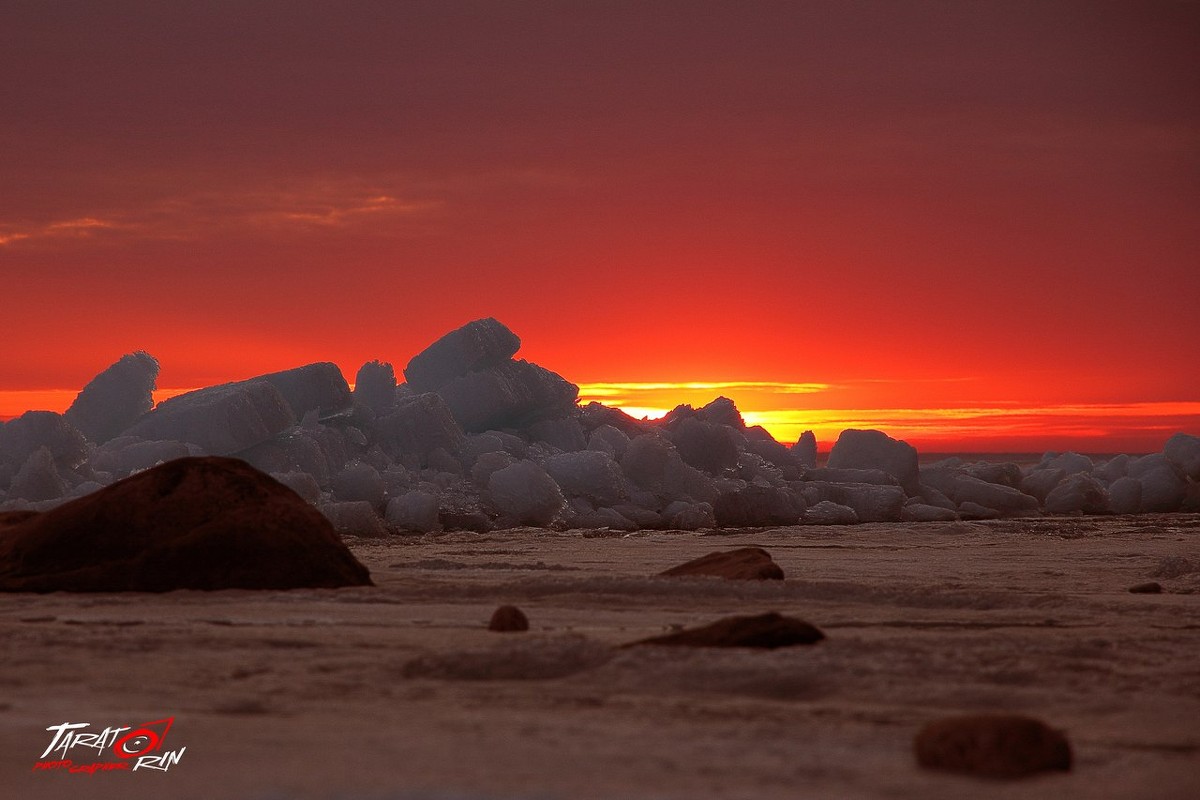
x,y
136,742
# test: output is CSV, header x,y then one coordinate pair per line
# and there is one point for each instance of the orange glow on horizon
x,y
980,427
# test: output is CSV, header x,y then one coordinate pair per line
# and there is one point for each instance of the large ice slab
x,y
375,386
116,398
33,430
221,420
525,494
475,346
870,449
509,395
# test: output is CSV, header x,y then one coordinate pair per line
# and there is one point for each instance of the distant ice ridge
x,y
476,440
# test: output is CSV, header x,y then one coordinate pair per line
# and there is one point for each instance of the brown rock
x,y
192,523
13,517
1150,587
743,564
507,619
992,746
766,631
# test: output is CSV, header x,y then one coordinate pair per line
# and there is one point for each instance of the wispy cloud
x,y
79,228
314,205
631,392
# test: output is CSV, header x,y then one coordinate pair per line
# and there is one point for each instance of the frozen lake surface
x,y
399,691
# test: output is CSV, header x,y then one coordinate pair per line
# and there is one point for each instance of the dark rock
x,y
992,746
767,631
743,564
475,346
116,398
193,523
1151,587
508,619
14,517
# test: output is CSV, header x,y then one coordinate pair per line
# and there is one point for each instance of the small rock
x,y
766,631
1150,587
992,746
508,619
743,564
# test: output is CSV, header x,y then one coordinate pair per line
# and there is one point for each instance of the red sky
x,y
973,224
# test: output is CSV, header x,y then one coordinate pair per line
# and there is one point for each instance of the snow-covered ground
x,y
399,691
